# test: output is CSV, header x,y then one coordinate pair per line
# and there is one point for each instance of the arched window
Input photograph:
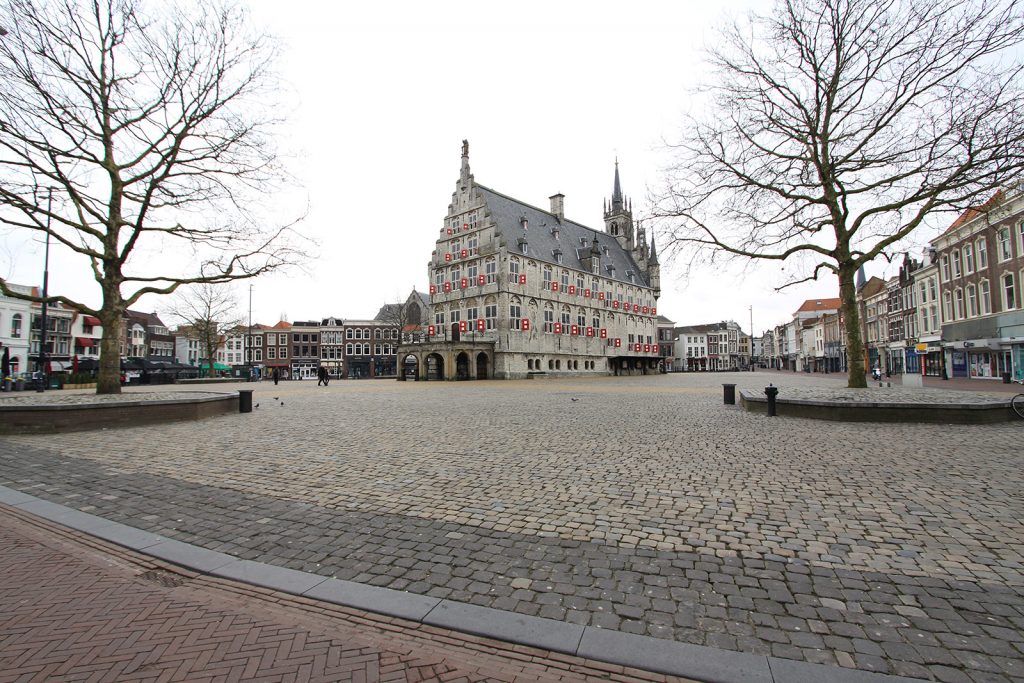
x,y
529,364
16,326
547,277
549,318
366,333
972,301
348,348
491,312
515,313
1009,292
565,279
566,319
491,269
376,333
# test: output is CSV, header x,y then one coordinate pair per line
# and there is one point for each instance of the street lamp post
x,y
43,379
248,341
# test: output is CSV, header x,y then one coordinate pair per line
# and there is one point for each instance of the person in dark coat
x,y
276,376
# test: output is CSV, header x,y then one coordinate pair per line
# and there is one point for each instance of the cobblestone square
x,y
640,504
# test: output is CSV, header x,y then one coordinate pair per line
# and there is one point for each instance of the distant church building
x,y
517,290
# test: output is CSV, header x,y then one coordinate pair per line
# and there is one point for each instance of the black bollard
x,y
245,400
729,394
771,392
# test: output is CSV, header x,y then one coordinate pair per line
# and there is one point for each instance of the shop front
x,y
981,364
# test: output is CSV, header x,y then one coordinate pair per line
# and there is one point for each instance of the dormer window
x,y
554,231
583,241
523,246
523,222
611,270
605,251
557,253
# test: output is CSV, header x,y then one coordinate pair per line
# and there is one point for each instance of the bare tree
x,y
152,132
835,127
205,312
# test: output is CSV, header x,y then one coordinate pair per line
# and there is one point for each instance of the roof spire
x,y
616,189
653,258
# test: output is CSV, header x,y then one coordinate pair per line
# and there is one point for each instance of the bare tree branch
x,y
836,128
153,129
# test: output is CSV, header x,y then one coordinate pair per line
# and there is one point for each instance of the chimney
x,y
558,206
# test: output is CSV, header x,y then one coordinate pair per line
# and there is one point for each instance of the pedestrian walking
x,y
320,376
276,376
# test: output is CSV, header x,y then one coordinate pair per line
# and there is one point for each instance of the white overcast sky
x,y
548,93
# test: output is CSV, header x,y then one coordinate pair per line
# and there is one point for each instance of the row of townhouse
x,y
955,313
344,347
70,335
978,272
711,347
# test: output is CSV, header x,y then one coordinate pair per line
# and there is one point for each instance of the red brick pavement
x,y
73,608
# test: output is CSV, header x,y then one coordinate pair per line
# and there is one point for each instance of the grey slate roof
x,y
508,214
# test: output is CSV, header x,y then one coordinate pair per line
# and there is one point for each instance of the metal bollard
x,y
729,394
771,392
245,400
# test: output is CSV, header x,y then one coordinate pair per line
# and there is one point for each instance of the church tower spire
x,y
617,189
618,218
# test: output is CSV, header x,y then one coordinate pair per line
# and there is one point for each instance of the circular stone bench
x,y
883,405
50,413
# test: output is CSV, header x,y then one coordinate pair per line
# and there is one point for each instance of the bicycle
x,y
1017,402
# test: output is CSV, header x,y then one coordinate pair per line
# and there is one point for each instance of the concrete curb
x,y
642,652
995,410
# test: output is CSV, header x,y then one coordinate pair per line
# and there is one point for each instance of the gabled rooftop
x,y
516,221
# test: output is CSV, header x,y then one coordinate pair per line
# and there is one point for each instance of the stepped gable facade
x,y
518,290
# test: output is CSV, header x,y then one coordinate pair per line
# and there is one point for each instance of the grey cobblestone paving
x,y
644,506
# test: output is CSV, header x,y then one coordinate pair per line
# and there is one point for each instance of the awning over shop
x,y
216,366
90,320
85,342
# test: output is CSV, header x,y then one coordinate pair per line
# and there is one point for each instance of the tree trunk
x,y
108,379
851,319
